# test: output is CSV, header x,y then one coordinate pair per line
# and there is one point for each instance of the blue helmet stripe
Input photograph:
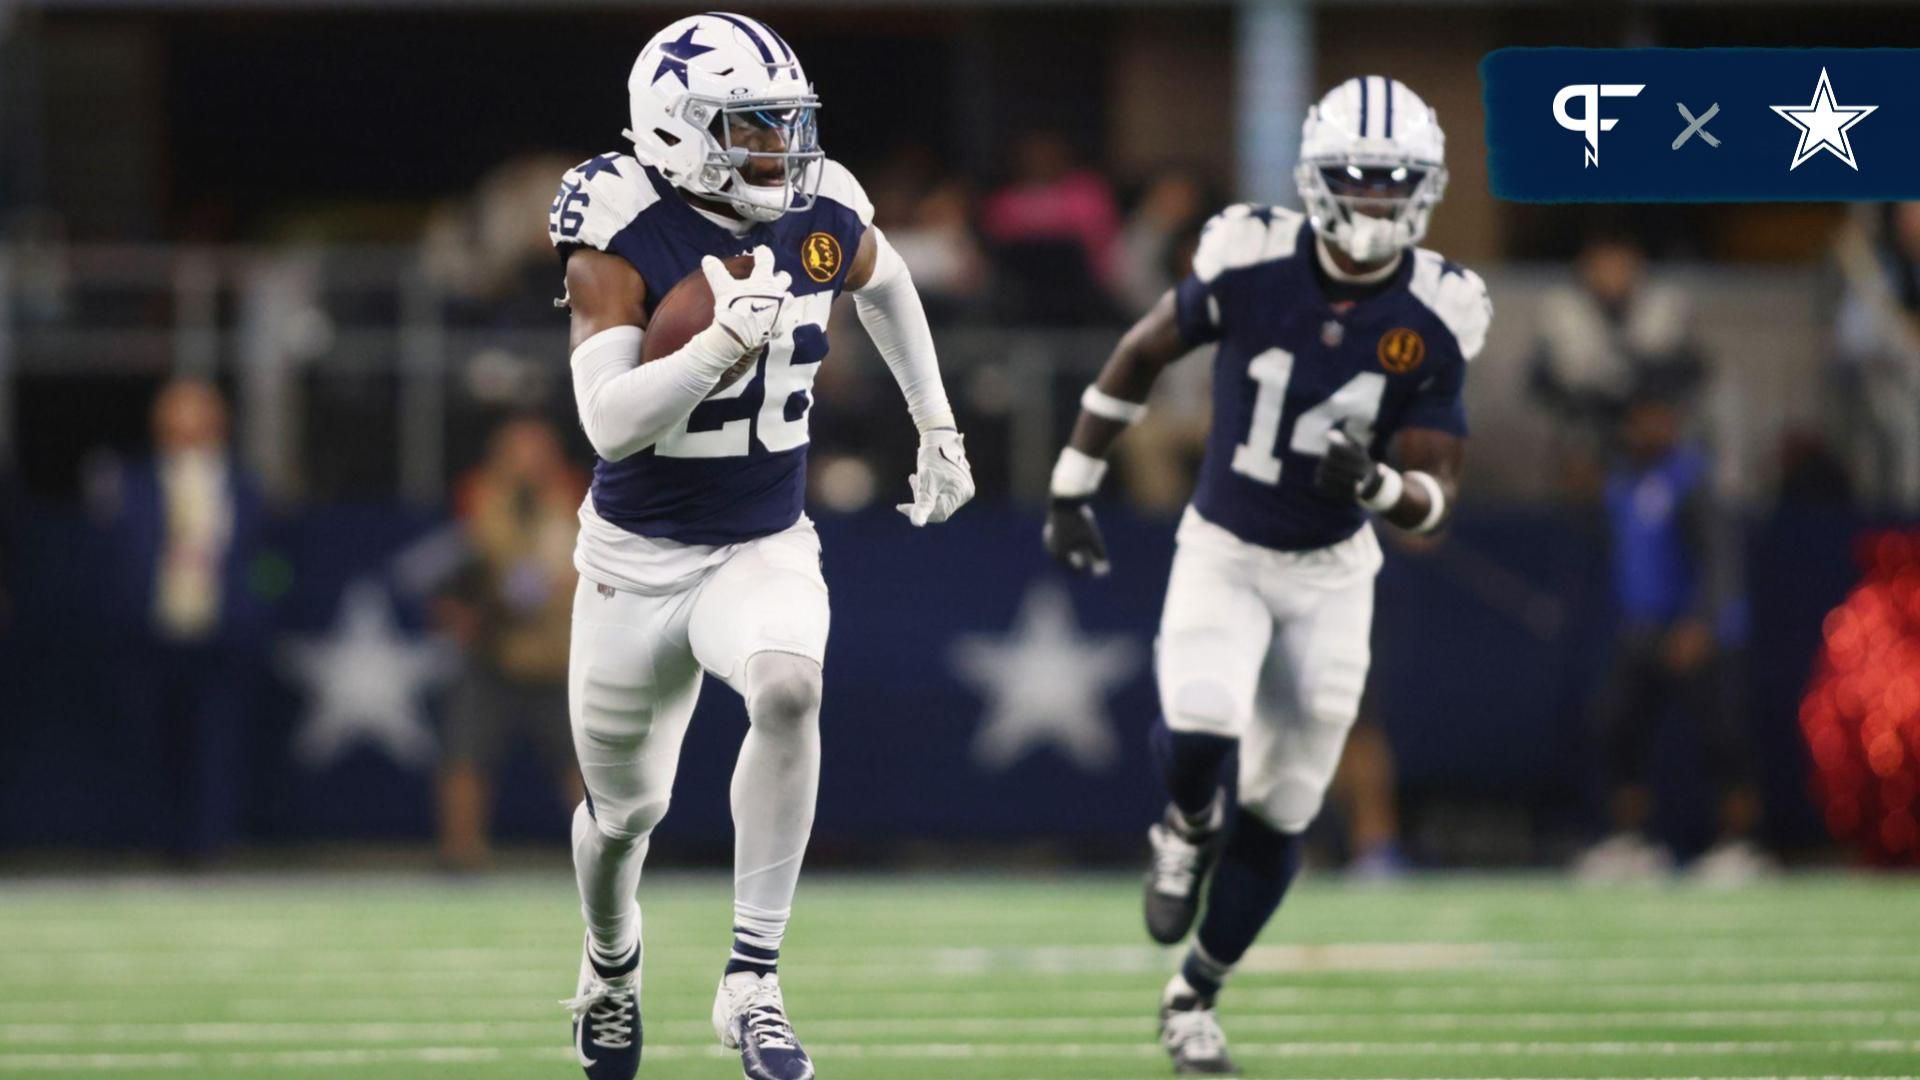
x,y
1363,105
758,41
1389,131
777,39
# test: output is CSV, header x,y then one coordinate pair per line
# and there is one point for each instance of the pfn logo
x,y
1589,122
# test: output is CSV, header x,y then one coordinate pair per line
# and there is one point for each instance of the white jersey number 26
x,y
783,378
1271,371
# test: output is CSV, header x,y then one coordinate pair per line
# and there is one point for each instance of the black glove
x,y
1345,472
1074,539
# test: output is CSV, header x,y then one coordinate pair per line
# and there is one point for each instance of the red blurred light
x,y
1898,831
1860,714
1885,755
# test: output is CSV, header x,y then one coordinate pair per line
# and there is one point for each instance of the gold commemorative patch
x,y
1401,350
820,256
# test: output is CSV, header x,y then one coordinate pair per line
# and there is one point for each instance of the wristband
x,y
1436,502
1107,407
1388,495
1077,474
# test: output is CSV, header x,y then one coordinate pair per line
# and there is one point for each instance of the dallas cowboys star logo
x,y
1046,684
364,681
1823,125
603,163
677,53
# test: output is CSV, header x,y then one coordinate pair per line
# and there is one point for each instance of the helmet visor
x,y
1373,181
769,143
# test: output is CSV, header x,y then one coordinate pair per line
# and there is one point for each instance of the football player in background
x,y
694,552
1341,346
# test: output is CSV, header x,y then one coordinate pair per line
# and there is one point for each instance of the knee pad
x,y
1289,800
628,826
783,690
1202,705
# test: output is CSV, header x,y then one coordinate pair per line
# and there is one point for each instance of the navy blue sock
x,y
1256,865
1190,765
1203,973
750,957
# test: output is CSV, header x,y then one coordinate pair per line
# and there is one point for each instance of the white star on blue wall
x,y
1046,684
364,683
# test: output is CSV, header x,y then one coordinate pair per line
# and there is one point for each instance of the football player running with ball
x,y
1339,343
694,552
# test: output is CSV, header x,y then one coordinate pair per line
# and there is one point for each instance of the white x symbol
x,y
1696,127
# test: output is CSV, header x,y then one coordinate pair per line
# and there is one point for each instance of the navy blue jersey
x,y
736,469
1291,365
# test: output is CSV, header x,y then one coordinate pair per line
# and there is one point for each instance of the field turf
x,y
365,977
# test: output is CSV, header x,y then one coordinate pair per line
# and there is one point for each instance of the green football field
x,y
928,977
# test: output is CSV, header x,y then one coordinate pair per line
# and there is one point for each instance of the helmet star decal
x,y
712,95
677,53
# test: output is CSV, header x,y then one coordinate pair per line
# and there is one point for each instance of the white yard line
x,y
10,1062
1360,1000
241,949
473,1031
31,980
1501,957
458,1005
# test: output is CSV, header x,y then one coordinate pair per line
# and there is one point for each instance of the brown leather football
x,y
686,310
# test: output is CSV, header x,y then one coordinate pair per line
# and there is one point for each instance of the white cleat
x,y
1182,859
1191,1033
750,1016
606,1018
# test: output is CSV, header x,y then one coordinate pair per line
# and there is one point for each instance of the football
x,y
686,310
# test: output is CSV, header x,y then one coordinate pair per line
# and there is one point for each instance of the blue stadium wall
x,y
1486,653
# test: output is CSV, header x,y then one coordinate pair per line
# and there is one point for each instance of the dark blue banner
x,y
974,691
1702,125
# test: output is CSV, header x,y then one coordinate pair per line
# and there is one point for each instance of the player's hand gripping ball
x,y
1073,537
743,295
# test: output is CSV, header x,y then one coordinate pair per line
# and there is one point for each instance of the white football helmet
x,y
717,97
1372,167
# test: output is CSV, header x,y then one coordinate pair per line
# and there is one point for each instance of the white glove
x,y
748,308
943,481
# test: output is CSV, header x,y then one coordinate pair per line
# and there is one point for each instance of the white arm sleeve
x,y
626,406
889,307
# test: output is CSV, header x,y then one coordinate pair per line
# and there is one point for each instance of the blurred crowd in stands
x,y
1061,245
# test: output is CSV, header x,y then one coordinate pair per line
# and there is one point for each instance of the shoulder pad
x,y
598,198
837,184
1245,234
1456,295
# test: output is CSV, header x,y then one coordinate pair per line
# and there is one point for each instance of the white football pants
x,y
758,621
1270,648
